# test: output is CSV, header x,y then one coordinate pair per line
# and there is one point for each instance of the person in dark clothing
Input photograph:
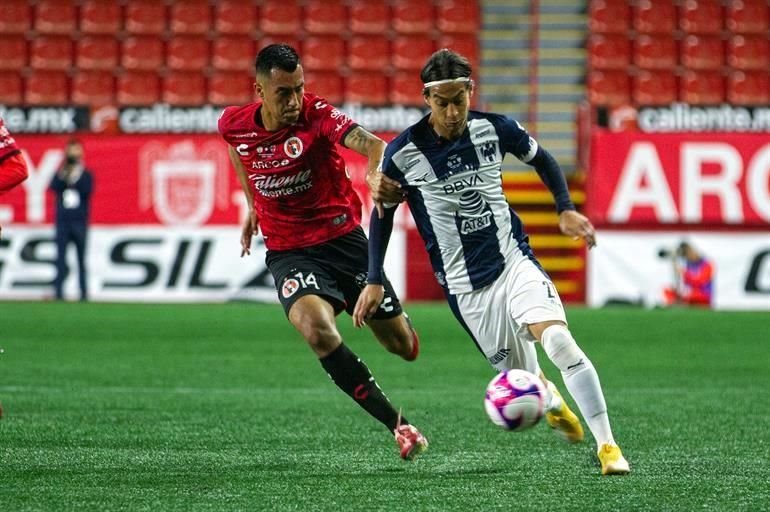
x,y
73,185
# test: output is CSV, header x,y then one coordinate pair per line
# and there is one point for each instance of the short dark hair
x,y
280,55
443,65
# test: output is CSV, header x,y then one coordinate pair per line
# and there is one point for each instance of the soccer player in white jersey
x,y
448,167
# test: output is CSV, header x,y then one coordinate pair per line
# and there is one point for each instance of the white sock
x,y
553,399
581,380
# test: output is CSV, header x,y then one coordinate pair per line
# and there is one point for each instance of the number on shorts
x,y
308,280
549,289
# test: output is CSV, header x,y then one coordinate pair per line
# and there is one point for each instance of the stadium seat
x,y
46,88
411,17
184,89
748,52
654,16
325,53
96,52
138,88
93,88
190,17
406,89
411,52
14,52
702,52
369,17
11,88
15,16
145,17
280,17
368,52
747,16
99,17
608,51
748,88
701,16
325,17
702,87
466,45
142,53
608,88
368,88
55,17
458,16
327,85
234,53
229,88
656,87
187,53
235,17
51,52
655,51
608,16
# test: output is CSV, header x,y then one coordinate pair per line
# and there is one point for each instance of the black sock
x,y
353,377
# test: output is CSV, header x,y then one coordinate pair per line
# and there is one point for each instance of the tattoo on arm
x,y
361,140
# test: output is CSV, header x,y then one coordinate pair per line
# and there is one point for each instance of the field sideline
x,y
222,407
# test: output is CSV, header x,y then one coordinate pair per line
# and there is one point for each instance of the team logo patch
x,y
293,147
289,288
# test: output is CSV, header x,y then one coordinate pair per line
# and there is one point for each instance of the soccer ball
x,y
515,400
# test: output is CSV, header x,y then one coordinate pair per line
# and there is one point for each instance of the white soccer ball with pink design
x,y
515,400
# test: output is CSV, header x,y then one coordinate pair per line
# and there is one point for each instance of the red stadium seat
x,y
411,52
702,87
14,52
654,88
748,52
702,52
51,52
608,51
367,88
190,17
458,16
93,88
747,16
608,16
96,52
701,16
187,53
369,53
655,16
281,17
655,51
55,17
46,88
235,17
100,17
145,17
138,88
327,85
142,53
608,88
228,88
411,17
11,89
369,17
466,45
406,89
15,16
325,17
748,88
232,53
184,89
326,53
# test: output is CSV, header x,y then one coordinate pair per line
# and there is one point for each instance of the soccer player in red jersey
x,y
283,148
13,168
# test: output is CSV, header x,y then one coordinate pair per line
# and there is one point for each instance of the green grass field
x,y
222,407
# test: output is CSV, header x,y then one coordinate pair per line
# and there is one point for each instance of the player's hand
x,y
367,304
383,190
577,226
249,229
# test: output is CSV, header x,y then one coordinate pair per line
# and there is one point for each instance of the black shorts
x,y
335,270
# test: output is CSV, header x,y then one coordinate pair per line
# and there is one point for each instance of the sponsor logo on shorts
x,y
499,356
289,288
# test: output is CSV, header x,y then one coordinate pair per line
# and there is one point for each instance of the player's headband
x,y
434,83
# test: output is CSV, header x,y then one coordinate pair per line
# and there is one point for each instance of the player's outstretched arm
x,y
251,223
382,188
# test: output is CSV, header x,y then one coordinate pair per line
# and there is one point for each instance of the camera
x,y
680,251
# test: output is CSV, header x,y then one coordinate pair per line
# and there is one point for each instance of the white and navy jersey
x,y
455,192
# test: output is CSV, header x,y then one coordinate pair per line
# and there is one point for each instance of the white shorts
x,y
498,315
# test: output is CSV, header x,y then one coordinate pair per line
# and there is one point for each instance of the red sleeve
x,y
223,124
331,123
699,277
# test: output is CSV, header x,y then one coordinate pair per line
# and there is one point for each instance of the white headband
x,y
447,81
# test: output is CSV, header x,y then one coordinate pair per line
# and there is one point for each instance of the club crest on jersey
x,y
289,288
293,147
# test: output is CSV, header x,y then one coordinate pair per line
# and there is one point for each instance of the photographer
x,y
693,276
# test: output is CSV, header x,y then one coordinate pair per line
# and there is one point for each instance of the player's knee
x,y
318,331
562,349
